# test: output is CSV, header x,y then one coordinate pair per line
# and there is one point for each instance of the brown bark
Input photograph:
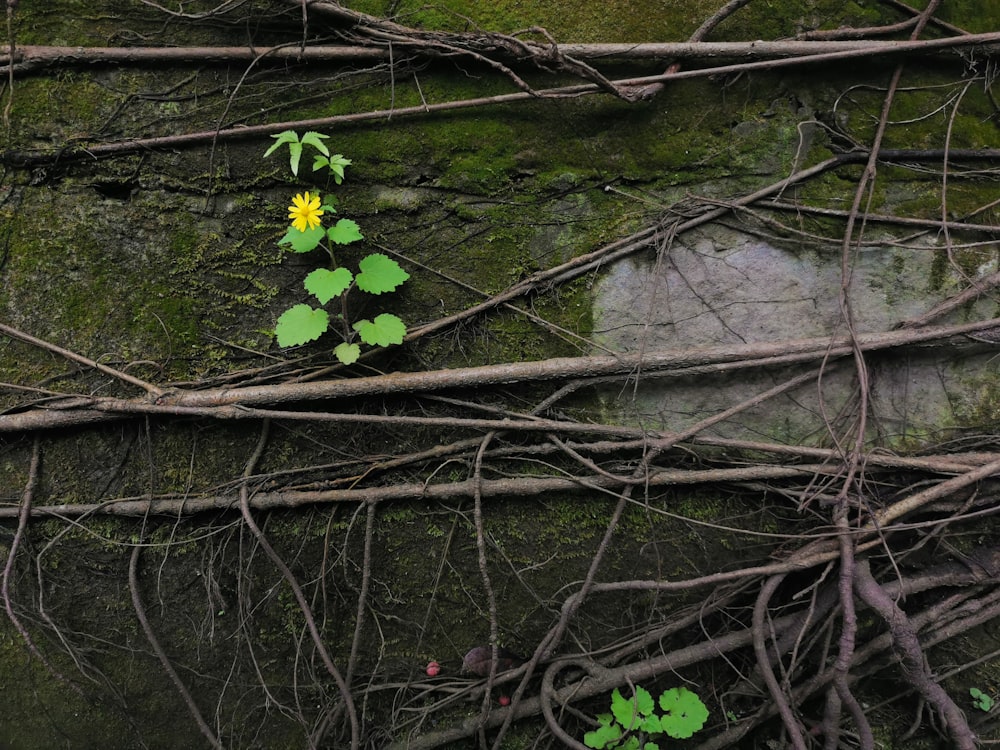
x,y
85,410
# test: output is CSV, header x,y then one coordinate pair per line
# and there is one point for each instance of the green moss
x,y
105,280
923,114
57,110
567,20
975,16
72,23
981,409
485,196
56,707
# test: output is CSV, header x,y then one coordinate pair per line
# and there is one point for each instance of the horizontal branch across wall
x,y
87,410
31,57
519,487
967,469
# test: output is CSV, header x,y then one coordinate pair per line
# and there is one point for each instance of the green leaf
x,y
319,162
288,136
651,724
316,141
344,232
380,273
650,746
385,330
684,713
981,700
301,324
337,163
632,743
643,701
303,242
623,709
347,353
603,736
325,284
294,154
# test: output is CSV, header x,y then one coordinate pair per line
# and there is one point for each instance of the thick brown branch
x,y
28,159
601,680
523,487
905,641
32,57
649,363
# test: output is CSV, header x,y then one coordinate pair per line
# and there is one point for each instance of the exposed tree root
x,y
832,588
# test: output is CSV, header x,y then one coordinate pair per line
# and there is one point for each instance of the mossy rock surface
x,y
164,264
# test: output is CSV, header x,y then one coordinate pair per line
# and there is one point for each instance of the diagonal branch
x,y
906,643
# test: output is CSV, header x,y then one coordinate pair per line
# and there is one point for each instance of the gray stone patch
x,y
718,286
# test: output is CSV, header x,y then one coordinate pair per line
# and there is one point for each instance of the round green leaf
x,y
602,737
325,284
380,273
623,709
684,713
347,353
651,724
301,324
385,330
344,232
303,242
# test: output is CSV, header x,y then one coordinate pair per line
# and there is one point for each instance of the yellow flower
x,y
305,212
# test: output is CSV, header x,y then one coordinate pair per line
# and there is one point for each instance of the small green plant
x,y
632,723
377,273
981,700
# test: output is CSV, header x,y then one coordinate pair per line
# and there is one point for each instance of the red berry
x,y
433,669
504,700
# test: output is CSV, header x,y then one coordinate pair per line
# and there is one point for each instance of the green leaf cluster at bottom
x,y
632,723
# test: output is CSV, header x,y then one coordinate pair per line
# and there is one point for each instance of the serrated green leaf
x,y
643,701
650,746
344,232
623,709
651,725
301,324
385,330
303,242
380,273
294,154
602,737
319,162
315,140
632,743
684,713
347,353
288,136
325,284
